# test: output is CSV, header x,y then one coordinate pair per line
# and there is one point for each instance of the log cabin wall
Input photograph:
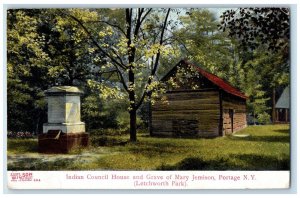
x,y
201,105
192,113
234,113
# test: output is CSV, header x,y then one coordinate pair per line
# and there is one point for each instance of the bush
x,y
97,113
123,122
106,114
264,118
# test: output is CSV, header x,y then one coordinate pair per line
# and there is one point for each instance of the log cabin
x,y
198,104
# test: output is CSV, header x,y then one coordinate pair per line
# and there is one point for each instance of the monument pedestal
x,y
64,130
65,127
58,142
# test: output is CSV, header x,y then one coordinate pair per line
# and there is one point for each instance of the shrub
x,y
264,118
123,122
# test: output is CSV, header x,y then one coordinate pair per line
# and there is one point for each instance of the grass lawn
x,y
267,148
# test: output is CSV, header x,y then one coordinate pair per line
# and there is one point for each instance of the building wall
x,y
187,114
234,113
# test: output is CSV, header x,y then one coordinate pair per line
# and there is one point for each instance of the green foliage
x,y
98,113
269,26
43,50
123,121
264,118
103,115
259,74
204,43
26,71
263,40
120,54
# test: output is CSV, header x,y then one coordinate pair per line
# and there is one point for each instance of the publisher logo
x,y
24,176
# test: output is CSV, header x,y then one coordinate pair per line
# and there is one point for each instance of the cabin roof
x,y
214,79
284,100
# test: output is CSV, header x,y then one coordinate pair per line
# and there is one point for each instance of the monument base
x,y
78,127
55,141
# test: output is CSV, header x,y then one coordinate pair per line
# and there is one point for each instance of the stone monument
x,y
64,129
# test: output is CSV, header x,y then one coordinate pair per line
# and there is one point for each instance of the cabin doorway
x,y
231,112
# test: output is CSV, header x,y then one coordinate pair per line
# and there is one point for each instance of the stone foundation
x,y
55,141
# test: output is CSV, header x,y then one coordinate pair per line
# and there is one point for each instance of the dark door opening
x,y
282,115
231,112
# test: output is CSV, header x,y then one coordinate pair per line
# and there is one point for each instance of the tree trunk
x,y
36,132
132,110
150,115
273,105
254,118
132,125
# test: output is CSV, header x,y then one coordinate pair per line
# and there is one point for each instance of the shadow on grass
x,y
247,162
156,148
148,148
260,162
285,131
194,163
108,141
283,139
191,137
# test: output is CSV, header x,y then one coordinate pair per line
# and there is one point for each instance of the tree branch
x,y
93,39
106,72
110,24
138,22
144,17
120,59
110,75
156,60
122,79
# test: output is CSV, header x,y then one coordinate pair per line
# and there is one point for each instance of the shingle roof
x,y
216,80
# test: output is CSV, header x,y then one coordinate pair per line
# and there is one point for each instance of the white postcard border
x,y
148,179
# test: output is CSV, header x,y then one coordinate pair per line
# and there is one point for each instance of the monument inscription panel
x,y
56,109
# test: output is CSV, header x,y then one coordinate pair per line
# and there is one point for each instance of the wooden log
x,y
184,116
191,101
193,112
189,95
184,106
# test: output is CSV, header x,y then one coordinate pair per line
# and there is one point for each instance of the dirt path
x,y
34,161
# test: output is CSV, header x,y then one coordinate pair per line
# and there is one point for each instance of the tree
x,y
264,30
26,70
132,47
203,42
254,27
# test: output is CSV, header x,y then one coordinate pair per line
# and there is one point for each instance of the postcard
x,y
149,98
